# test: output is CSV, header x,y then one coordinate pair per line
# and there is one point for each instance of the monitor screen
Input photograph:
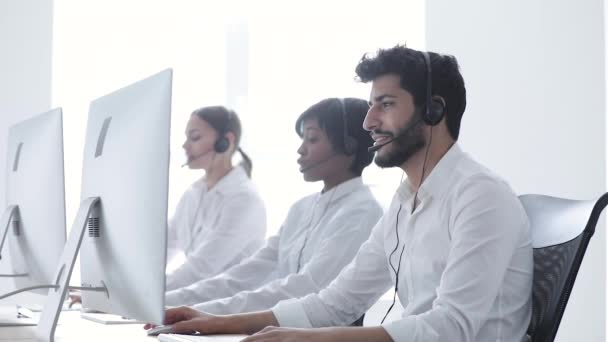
x,y
126,165
35,184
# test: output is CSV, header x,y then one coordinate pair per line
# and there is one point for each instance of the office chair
x,y
358,322
561,230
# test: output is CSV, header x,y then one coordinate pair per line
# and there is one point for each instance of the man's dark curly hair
x,y
409,64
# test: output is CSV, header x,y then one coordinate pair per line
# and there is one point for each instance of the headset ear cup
x,y
434,114
350,146
221,145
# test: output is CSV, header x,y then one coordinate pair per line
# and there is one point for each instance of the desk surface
x,y
73,328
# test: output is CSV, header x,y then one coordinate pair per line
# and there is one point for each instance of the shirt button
x,y
410,297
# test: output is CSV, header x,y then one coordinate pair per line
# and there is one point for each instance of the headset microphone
x,y
375,148
403,133
322,161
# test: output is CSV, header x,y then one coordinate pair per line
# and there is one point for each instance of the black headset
x,y
350,144
222,143
435,108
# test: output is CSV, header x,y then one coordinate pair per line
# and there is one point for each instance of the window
x,y
286,58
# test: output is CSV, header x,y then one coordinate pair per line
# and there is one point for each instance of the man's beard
x,y
409,140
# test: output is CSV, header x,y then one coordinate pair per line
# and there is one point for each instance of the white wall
x,y
25,81
536,111
294,63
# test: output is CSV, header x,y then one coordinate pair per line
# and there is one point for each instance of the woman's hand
x,y
185,320
75,298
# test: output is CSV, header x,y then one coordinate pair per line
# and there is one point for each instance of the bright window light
x,y
268,60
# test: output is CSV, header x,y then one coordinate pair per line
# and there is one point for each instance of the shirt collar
x,y
435,183
340,190
234,178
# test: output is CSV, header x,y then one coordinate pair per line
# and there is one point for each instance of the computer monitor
x,y
126,165
125,177
35,193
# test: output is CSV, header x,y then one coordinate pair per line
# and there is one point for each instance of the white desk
x,y
72,328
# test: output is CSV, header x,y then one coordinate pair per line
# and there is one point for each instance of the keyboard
x,y
37,308
10,317
199,338
14,321
105,318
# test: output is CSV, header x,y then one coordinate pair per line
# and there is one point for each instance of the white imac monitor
x,y
126,165
35,232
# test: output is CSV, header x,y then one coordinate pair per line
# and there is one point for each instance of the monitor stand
x,y
50,315
10,218
10,215
9,317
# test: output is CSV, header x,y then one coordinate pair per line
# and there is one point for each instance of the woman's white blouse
x,y
215,229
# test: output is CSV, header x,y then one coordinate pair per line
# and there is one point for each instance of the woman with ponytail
x,y
221,219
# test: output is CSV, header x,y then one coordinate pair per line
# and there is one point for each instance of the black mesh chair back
x,y
358,322
561,230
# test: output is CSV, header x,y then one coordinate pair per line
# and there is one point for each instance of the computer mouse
x,y
161,329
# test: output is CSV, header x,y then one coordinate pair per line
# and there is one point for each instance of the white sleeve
x,y
357,287
173,226
241,226
489,226
336,251
248,274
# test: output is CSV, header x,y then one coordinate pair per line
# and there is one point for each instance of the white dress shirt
x,y
322,233
216,228
466,271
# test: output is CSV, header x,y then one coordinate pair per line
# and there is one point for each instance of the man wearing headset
x,y
455,242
